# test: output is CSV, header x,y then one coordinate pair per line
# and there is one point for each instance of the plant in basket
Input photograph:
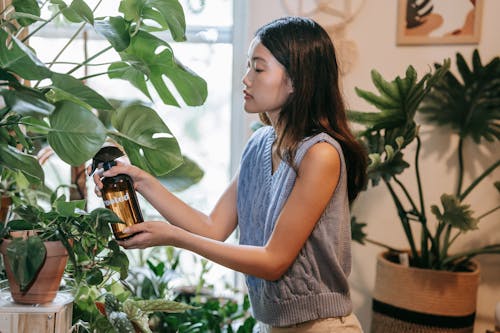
x,y
468,107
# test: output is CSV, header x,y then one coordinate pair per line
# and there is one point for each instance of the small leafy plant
x,y
86,237
131,315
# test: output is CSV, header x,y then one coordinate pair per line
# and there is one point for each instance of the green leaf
x,y
25,16
26,258
357,232
14,159
28,7
161,305
468,104
120,261
20,225
148,142
165,13
77,88
154,58
181,178
27,102
124,71
19,59
115,30
69,208
76,133
120,322
94,276
78,11
455,213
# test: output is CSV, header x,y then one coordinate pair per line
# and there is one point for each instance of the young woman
x,y
290,198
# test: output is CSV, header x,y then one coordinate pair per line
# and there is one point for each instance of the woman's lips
x,y
246,95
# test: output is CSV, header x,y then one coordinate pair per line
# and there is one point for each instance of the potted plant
x,y
37,244
469,107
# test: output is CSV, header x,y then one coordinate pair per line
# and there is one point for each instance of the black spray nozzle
x,y
107,156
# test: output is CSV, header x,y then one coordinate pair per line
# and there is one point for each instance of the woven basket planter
x,y
408,299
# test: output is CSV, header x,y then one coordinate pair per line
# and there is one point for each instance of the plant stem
x,y
426,236
67,44
404,222
446,244
92,75
479,179
90,59
374,242
494,248
407,194
40,27
460,154
488,212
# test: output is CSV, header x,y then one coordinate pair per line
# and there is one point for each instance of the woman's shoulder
x,y
310,141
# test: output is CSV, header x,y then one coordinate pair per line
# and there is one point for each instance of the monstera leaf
x,y
149,57
147,140
76,134
168,14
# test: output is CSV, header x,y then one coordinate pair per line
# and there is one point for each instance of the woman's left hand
x,y
149,234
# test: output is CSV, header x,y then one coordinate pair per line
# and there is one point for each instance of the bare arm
x,y
318,177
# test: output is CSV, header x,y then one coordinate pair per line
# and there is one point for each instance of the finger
x,y
97,191
135,228
97,180
132,243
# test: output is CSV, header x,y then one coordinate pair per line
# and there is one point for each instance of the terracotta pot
x,y
408,299
46,284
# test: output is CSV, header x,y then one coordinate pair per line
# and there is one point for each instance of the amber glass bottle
x,y
118,192
119,195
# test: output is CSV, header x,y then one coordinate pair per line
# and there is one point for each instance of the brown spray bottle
x,y
118,192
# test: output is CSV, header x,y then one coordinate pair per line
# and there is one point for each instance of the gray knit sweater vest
x,y
315,286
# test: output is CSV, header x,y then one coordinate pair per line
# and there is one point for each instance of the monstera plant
x,y
59,107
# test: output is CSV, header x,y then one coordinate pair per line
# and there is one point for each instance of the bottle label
x,y
111,201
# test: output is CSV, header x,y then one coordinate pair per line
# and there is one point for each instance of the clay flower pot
x,y
46,284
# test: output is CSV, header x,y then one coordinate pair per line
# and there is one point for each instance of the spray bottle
x,y
118,192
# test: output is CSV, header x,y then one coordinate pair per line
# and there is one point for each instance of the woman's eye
x,y
258,70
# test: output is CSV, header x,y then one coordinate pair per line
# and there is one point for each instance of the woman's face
x,y
267,85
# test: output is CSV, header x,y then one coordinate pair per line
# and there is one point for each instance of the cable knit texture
x,y
315,286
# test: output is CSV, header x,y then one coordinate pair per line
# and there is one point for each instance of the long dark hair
x,y
316,105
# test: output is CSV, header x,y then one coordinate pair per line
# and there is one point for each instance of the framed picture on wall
x,y
439,22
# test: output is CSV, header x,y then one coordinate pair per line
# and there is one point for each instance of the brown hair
x,y
316,105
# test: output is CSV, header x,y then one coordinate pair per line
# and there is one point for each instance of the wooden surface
x,y
52,317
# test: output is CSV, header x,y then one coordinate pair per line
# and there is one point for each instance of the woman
x,y
290,197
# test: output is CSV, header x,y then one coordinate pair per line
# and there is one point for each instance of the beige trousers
x,y
348,324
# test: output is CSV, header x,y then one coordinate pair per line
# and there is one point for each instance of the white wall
x,y
374,33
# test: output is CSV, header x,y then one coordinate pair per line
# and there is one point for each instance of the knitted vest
x,y
315,286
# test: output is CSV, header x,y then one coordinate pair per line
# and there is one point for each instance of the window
x,y
203,132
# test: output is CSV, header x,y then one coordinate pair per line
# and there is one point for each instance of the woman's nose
x,y
245,79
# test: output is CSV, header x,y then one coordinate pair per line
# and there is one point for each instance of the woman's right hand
x,y
138,175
